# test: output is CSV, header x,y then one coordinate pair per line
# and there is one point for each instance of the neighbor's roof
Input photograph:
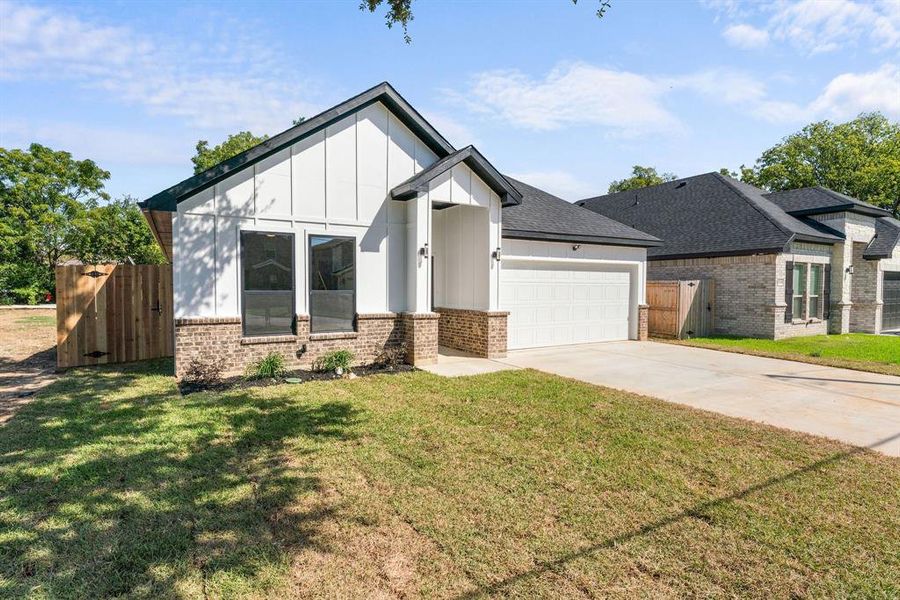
x,y
818,200
543,216
168,199
707,215
472,158
887,235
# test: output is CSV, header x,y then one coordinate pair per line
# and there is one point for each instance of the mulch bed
x,y
238,382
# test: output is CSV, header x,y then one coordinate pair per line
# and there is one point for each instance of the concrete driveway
x,y
859,408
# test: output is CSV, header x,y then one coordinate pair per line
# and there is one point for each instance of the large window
x,y
332,284
267,281
797,308
815,291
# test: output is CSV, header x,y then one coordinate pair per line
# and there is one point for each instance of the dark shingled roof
x,y
471,157
818,200
543,216
887,235
707,215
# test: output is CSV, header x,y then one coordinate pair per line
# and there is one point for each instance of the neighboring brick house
x,y
772,270
363,228
866,283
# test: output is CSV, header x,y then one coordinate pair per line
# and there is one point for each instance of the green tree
x,y
400,12
115,233
207,157
43,194
860,158
641,177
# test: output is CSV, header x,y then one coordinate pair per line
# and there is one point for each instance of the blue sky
x,y
548,92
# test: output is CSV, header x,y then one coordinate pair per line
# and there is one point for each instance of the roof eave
x,y
578,238
837,208
718,253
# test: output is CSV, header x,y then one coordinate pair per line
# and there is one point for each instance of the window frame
x,y
309,277
803,280
819,293
242,258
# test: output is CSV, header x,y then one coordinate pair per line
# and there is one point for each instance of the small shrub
x,y
202,373
336,359
391,356
268,367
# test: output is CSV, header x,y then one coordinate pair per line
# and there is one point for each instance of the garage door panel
x,y
551,305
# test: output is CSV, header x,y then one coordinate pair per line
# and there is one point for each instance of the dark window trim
x,y
309,277
293,330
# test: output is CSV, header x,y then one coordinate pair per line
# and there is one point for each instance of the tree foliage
x,y
399,12
860,158
115,233
53,207
641,177
207,157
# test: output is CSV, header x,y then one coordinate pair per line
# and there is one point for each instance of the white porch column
x,y
419,266
494,243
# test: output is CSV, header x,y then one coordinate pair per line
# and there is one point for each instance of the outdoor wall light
x,y
496,254
850,270
575,247
423,251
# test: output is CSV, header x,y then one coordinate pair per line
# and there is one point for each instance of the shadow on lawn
x,y
161,489
698,511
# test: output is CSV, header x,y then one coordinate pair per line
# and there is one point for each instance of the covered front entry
x,y
890,316
551,304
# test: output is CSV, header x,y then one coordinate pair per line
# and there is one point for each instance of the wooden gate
x,y
681,309
113,313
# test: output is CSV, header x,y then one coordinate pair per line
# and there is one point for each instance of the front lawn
x,y
876,353
513,483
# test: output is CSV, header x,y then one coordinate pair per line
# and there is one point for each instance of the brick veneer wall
x,y
868,304
220,339
643,322
479,332
746,302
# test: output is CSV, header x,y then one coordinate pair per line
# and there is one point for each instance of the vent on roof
x,y
681,185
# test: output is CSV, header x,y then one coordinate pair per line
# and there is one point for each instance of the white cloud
x,y
746,36
848,94
456,133
231,82
559,183
573,93
813,26
104,145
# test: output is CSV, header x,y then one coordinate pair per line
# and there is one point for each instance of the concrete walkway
x,y
453,363
859,408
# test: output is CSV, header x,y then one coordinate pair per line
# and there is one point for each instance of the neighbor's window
x,y
332,285
799,291
267,278
815,291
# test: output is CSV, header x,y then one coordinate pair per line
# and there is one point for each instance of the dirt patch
x,y
27,355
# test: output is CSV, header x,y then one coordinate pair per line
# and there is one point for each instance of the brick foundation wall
x,y
420,333
643,322
221,339
478,332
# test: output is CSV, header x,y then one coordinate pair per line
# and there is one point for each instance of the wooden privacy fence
x,y
113,313
681,309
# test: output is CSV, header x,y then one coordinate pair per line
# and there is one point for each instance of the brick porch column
x,y
420,333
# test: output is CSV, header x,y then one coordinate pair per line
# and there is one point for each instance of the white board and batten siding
x,y
559,295
464,237
337,182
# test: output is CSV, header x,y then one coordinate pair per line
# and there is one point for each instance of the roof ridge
x,y
791,235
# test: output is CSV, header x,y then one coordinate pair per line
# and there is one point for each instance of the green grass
x,y
42,320
876,353
513,483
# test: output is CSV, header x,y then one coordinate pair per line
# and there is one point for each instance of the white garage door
x,y
550,305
